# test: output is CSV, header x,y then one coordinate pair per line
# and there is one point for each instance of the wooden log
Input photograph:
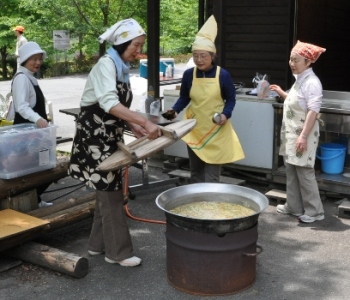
x,y
70,215
15,186
51,258
62,204
57,219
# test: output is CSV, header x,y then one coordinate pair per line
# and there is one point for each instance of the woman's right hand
x,y
42,123
278,90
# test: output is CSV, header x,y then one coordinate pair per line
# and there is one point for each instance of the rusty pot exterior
x,y
206,264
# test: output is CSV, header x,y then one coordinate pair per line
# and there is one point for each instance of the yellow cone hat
x,y
205,38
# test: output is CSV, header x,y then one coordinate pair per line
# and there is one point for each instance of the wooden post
x,y
24,202
51,258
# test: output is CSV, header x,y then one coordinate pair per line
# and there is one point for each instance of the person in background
x,y
300,135
21,40
207,89
105,106
28,99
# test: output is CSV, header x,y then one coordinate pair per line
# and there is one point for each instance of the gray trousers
x,y
110,231
202,171
303,196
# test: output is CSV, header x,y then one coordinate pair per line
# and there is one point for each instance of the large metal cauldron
x,y
211,257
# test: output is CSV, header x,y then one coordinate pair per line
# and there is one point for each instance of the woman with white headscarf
x,y
104,111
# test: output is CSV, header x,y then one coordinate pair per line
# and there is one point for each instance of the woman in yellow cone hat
x,y
207,89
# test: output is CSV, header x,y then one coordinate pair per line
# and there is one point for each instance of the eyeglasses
x,y
201,56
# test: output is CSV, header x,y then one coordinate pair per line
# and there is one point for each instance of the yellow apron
x,y
212,143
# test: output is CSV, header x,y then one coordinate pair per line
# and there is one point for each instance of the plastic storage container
x,y
163,63
26,149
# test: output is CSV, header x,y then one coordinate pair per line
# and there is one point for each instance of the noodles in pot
x,y
213,210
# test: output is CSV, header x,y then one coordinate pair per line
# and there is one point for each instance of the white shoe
x,y
308,219
283,210
44,204
129,262
93,253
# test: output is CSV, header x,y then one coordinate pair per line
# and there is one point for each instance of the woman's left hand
x,y
42,123
301,144
223,119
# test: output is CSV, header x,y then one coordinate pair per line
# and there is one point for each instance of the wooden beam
x,y
61,205
15,186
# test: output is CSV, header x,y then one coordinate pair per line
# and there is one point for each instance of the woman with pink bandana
x,y
300,134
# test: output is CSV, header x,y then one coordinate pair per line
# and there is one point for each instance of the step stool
x,y
278,196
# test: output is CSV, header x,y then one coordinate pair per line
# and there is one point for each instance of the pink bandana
x,y
308,51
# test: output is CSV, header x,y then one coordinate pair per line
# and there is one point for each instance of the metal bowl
x,y
212,192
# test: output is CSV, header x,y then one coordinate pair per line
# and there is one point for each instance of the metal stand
x,y
145,180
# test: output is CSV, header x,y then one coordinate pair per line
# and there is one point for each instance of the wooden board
x,y
13,222
143,147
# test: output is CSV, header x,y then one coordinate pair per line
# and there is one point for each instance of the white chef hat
x,y
29,49
122,32
205,38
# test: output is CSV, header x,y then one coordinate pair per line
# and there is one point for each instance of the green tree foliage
x,y
85,20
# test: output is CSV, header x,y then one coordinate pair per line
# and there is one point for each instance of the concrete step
x,y
185,176
277,196
344,210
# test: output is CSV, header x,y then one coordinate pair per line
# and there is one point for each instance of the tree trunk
x,y
51,258
3,52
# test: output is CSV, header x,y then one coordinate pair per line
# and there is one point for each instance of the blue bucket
x,y
332,158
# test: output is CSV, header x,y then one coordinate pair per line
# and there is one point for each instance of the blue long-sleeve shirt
x,y
228,91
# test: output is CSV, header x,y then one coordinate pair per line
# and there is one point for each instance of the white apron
x,y
292,125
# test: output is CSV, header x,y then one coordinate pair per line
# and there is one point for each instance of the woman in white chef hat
x,y
105,106
207,89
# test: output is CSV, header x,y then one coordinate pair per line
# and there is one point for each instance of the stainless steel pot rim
x,y
212,188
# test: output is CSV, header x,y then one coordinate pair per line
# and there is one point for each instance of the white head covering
x,y
205,38
29,49
122,32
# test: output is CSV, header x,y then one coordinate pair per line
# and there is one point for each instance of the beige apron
x,y
292,125
212,143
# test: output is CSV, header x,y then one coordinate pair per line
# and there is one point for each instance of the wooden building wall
x,y
257,36
327,23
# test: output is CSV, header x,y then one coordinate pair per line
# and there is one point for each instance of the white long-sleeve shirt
x,y
310,93
100,86
21,40
24,96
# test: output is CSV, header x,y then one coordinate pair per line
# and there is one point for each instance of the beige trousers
x,y
110,231
303,196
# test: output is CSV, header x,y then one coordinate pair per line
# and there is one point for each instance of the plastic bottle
x,y
154,108
169,71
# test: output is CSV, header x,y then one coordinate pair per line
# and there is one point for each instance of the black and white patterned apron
x,y
96,139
